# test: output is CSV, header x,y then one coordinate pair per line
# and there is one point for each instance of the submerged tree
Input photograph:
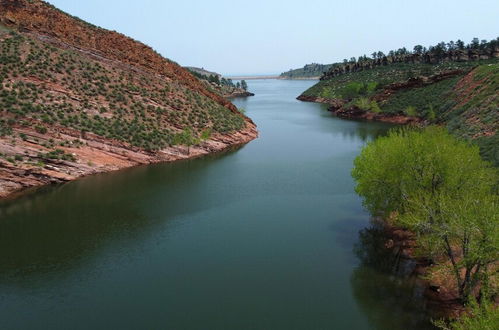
x,y
440,188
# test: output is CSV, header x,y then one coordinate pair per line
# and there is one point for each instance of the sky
x,y
235,37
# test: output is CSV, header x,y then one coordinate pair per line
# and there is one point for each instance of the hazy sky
x,y
271,36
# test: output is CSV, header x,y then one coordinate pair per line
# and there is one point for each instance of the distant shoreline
x,y
269,77
300,78
251,77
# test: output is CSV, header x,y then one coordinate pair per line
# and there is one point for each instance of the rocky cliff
x,y
76,99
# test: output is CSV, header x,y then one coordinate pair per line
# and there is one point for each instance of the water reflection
x,y
60,227
378,285
241,238
359,130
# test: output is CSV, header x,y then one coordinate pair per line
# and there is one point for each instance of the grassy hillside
x,y
77,99
345,86
44,86
461,95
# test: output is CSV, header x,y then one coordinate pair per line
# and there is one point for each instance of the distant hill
x,y
202,71
449,84
309,71
77,99
220,85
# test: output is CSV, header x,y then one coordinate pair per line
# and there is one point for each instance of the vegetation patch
x,y
48,87
439,188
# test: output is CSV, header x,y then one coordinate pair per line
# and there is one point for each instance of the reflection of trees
x,y
389,301
371,249
365,131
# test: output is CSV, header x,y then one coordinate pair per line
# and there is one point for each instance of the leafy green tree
x,y
440,188
206,134
187,137
484,316
411,111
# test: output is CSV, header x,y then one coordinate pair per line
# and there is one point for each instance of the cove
x,y
269,236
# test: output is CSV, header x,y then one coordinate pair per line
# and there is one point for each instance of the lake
x,y
268,236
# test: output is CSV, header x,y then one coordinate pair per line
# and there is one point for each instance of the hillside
x,y
224,87
459,94
203,72
77,99
309,71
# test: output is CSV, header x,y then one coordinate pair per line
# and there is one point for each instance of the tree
x,y
206,134
402,51
460,44
418,49
439,50
244,85
238,85
441,189
484,316
475,43
483,44
187,137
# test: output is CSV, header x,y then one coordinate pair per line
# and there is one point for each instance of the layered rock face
x,y
76,99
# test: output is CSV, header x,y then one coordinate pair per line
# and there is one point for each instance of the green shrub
x,y
41,129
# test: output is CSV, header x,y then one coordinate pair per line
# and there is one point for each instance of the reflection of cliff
x,y
57,231
388,296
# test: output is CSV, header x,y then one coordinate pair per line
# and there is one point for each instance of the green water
x,y
270,236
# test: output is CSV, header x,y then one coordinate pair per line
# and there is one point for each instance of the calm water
x,y
270,236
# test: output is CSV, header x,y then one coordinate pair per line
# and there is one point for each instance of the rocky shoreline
x,y
239,94
438,292
93,154
336,107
